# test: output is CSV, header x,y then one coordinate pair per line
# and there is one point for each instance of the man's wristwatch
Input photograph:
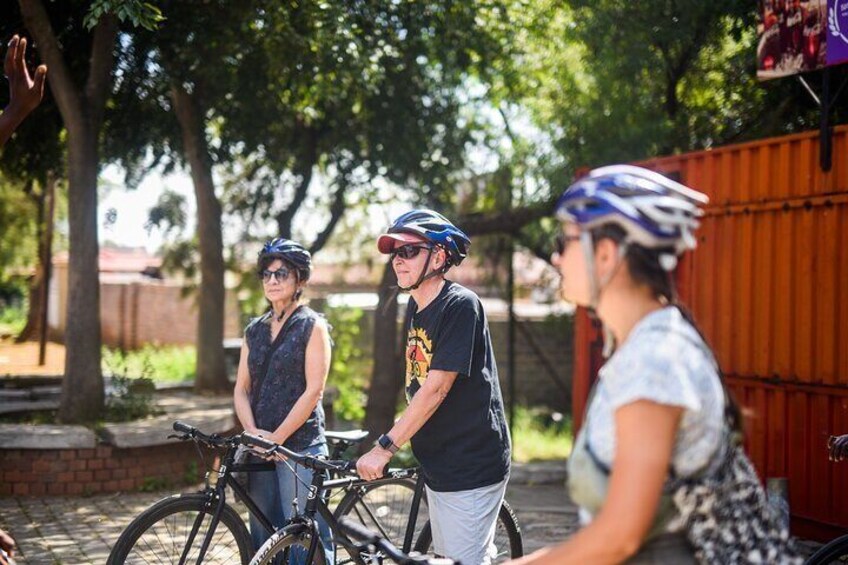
x,y
386,443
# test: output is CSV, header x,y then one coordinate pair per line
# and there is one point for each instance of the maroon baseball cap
x,y
388,241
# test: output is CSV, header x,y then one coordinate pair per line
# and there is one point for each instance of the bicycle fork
x,y
219,495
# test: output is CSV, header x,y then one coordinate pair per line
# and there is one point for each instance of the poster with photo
x,y
794,36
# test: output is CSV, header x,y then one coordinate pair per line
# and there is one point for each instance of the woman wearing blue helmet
x,y
659,424
455,418
284,363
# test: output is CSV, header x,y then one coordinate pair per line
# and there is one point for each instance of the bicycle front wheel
x,y
508,543
289,545
173,530
835,551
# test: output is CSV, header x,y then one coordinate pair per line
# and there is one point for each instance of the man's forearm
x,y
423,405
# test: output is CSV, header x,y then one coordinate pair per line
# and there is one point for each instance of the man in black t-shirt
x,y
455,418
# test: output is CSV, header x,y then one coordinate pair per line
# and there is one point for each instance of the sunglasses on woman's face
x,y
279,275
562,240
408,251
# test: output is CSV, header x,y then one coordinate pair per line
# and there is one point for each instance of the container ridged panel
x,y
769,287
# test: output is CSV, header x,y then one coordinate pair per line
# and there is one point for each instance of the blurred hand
x,y
7,544
837,447
270,437
25,93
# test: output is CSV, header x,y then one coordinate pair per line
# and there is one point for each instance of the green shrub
x,y
539,435
162,364
350,367
132,391
13,318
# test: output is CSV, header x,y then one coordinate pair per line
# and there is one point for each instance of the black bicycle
x,y
199,527
834,551
203,527
362,503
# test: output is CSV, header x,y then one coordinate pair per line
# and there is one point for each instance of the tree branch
x,y
305,163
337,209
508,222
61,84
100,68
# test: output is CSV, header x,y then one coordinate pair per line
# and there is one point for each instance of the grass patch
x,y
540,435
163,364
12,319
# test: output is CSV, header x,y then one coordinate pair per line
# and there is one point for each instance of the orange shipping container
x,y
769,286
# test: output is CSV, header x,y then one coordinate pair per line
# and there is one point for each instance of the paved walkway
x,y
75,531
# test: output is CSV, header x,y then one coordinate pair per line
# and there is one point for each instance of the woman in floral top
x,y
284,362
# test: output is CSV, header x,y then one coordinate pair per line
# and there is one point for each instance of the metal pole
x,y
511,332
825,133
48,258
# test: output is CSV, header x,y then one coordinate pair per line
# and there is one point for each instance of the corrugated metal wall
x,y
769,286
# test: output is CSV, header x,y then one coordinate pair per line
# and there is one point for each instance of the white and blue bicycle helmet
x,y
654,211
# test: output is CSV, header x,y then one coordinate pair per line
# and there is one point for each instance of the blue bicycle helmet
x,y
291,252
431,226
654,211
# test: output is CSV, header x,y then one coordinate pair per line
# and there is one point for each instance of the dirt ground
x,y
21,359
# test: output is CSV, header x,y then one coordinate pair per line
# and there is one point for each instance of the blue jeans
x,y
274,493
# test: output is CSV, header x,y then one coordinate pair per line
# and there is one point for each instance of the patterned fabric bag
x,y
727,518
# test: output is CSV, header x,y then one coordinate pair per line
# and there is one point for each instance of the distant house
x,y
137,304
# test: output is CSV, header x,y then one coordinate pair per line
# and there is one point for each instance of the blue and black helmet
x,y
291,252
433,227
655,211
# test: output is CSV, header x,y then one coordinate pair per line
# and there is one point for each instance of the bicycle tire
x,y
155,534
281,544
834,551
508,542
384,508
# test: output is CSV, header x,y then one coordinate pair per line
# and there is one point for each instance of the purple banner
x,y
837,31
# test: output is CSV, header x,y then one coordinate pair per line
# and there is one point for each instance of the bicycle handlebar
x,y
215,440
308,461
342,466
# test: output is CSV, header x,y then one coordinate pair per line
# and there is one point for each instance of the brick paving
x,y
81,530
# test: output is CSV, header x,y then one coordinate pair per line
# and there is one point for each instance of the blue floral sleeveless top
x,y
274,394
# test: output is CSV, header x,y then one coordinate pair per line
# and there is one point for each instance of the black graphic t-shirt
x,y
465,444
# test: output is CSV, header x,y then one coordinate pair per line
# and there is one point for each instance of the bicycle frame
x,y
217,494
315,504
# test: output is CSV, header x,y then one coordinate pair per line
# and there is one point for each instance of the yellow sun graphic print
x,y
419,351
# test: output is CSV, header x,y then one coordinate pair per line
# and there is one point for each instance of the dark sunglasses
x,y
279,275
562,241
408,251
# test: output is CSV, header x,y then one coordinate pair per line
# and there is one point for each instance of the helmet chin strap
x,y
424,274
597,286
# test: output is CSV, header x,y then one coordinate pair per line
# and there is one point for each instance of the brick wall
x,y
133,314
39,472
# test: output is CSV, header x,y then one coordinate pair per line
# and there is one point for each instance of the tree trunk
x,y
82,387
387,378
82,113
211,367
32,329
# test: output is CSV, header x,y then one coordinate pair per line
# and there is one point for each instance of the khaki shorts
x,y
463,522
